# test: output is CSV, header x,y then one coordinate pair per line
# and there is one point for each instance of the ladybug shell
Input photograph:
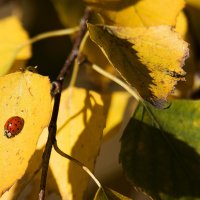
x,y
13,126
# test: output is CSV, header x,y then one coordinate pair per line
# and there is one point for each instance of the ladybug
x,y
13,126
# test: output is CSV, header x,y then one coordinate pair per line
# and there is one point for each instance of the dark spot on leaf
x,y
162,82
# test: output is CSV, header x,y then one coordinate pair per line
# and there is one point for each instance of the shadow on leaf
x,y
158,162
87,146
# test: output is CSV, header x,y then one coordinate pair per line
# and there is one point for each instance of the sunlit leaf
x,y
183,90
108,194
138,13
182,24
149,59
12,35
26,95
119,102
80,128
164,161
81,123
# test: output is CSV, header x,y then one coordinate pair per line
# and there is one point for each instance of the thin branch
x,y
77,162
56,92
77,61
129,89
75,49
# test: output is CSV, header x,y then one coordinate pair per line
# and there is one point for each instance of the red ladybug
x,y
13,126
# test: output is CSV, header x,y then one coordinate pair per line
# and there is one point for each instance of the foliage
x,y
105,194
163,157
143,46
10,43
22,97
126,47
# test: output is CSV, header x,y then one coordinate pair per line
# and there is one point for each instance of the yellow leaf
x,y
149,59
12,35
26,95
80,128
81,121
95,55
184,89
181,24
139,13
117,102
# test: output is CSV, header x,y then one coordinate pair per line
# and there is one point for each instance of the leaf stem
x,y
77,162
149,111
129,89
74,74
42,36
49,34
56,92
132,91
77,61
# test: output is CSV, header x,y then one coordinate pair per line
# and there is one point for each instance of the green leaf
x,y
164,161
149,59
108,194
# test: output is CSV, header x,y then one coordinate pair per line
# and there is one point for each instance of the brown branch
x,y
56,92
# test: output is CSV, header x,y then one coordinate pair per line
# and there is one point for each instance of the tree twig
x,y
56,92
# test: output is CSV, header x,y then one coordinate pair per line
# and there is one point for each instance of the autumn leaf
x,y
182,24
162,155
138,13
12,35
183,90
94,54
119,101
26,95
108,194
81,121
149,59
80,129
